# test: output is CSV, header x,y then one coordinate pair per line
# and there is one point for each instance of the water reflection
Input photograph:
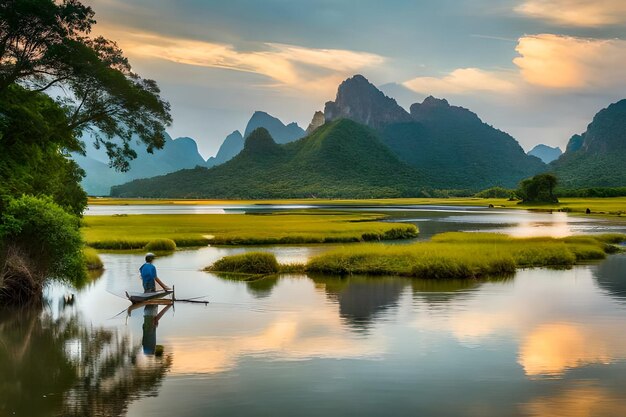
x,y
611,276
362,299
60,367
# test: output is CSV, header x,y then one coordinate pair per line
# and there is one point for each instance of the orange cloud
x,y
567,62
584,13
464,80
287,65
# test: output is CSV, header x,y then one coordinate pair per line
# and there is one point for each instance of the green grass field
x,y
454,255
615,206
135,231
464,255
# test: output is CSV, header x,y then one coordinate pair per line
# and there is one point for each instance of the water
x,y
541,343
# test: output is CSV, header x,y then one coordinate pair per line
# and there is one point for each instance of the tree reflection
x,y
362,299
56,366
610,276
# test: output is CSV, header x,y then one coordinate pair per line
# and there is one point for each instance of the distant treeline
x,y
500,192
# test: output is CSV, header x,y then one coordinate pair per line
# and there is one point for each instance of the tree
x,y
538,189
44,45
45,49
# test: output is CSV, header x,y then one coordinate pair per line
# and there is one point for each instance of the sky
x,y
536,69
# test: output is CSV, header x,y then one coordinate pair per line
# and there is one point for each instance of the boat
x,y
140,297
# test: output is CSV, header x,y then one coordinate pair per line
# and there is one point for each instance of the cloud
x,y
582,13
547,61
464,81
292,66
566,62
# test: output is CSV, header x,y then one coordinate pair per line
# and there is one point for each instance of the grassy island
x,y
136,231
453,255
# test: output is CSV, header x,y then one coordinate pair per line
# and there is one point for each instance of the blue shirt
x,y
148,274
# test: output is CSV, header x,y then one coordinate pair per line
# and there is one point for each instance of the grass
x,y
92,259
454,255
136,231
161,245
263,263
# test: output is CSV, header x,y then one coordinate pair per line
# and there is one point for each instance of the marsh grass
x,y
261,263
161,245
92,259
186,230
461,255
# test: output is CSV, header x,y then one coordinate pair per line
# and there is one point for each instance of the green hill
x,y
597,157
461,149
339,160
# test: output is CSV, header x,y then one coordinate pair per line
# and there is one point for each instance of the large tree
x,y
45,47
56,84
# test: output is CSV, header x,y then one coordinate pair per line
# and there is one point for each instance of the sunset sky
x,y
537,69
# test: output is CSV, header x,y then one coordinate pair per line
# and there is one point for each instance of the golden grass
x,y
135,231
461,255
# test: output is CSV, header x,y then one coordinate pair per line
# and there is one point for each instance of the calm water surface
x,y
541,343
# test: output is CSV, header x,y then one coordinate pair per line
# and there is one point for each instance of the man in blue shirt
x,y
149,275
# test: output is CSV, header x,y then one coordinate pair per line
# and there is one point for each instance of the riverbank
x,y
187,230
610,206
454,255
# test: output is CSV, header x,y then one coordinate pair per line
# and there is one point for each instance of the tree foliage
x,y
538,189
45,46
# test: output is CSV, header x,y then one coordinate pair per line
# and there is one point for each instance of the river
x,y
541,343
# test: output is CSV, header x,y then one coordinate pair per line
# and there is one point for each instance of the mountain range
x,y
177,154
365,145
340,159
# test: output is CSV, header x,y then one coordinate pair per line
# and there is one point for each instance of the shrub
x,y
247,263
161,245
38,240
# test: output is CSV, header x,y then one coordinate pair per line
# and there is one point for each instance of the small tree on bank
x,y
538,189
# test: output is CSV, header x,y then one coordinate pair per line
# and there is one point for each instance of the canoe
x,y
140,297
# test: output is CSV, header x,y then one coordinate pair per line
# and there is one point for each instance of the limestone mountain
x,y
459,149
280,132
546,153
596,157
317,121
339,159
232,145
359,100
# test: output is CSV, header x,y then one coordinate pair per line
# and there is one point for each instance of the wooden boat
x,y
140,297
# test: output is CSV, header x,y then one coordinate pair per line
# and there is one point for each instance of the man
x,y
149,275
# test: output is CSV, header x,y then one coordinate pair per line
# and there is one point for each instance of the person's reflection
x,y
151,318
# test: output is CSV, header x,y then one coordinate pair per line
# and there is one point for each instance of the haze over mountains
x,y
382,151
546,153
176,154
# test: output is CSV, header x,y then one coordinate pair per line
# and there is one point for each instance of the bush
x,y
38,239
247,263
161,245
92,259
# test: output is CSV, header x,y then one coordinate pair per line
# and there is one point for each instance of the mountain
x,y
596,157
280,132
457,149
317,121
546,153
232,145
340,159
176,154
359,100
